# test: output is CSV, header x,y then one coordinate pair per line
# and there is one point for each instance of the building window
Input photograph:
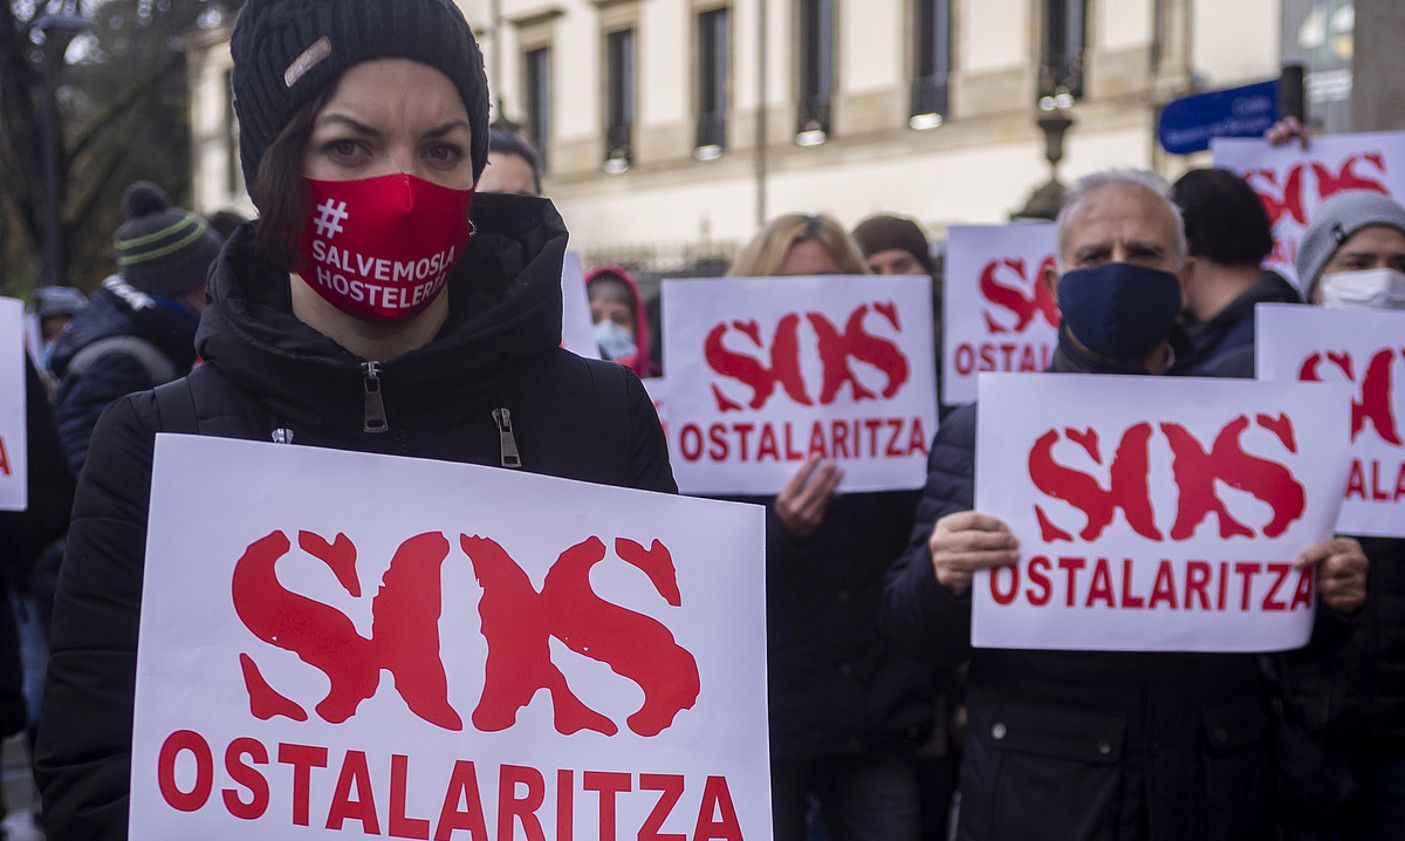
x,y
931,71
1065,43
714,65
619,100
816,71
537,79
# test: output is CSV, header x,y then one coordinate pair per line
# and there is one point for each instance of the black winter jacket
x,y
838,687
1073,745
265,370
166,351
24,534
1355,695
1224,345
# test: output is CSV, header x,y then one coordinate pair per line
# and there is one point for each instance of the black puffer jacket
x,y
838,687
265,370
164,349
1075,745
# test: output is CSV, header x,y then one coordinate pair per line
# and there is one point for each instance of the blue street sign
x,y
1188,123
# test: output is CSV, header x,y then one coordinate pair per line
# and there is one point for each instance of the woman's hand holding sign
x,y
1341,572
963,543
802,503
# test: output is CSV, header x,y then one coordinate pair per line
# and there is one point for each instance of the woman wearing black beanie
x,y
376,305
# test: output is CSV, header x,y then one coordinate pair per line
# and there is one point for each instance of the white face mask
x,y
1380,289
615,342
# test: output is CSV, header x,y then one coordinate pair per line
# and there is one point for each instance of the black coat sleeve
x,y
83,756
24,534
82,398
649,469
918,611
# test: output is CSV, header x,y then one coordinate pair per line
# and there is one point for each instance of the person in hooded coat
x,y
363,123
620,318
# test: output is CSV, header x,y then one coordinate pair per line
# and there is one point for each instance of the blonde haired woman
x,y
797,244
846,710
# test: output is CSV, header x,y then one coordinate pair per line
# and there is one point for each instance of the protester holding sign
x,y
1084,744
1345,753
366,310
847,710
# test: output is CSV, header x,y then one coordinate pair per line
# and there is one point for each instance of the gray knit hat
x,y
287,52
162,250
1336,221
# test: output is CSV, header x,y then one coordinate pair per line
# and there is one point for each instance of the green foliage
x,y
124,115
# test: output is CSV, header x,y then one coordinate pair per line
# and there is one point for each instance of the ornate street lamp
x,y
1046,200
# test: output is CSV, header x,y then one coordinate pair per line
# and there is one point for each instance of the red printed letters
x,y
1025,307
783,369
1196,469
517,620
1374,405
1289,196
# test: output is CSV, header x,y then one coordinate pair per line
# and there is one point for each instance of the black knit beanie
x,y
162,250
288,52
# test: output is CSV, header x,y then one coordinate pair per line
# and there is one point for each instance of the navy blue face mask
x,y
1119,310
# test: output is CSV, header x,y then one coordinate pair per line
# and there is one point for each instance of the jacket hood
x,y
641,314
120,309
504,306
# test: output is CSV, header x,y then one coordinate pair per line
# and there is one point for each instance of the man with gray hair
x,y
1083,744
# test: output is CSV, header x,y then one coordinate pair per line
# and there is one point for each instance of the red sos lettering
x,y
1289,197
1374,405
783,369
1195,468
1021,308
518,623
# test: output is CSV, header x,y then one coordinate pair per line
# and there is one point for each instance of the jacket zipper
x,y
507,442
375,421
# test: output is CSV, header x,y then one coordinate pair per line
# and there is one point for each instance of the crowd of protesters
x,y
884,722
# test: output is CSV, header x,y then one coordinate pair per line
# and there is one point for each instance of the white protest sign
x,y
1366,350
577,330
563,657
14,474
762,372
1155,513
658,393
998,313
1293,182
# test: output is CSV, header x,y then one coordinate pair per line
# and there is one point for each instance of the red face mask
x,y
382,249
